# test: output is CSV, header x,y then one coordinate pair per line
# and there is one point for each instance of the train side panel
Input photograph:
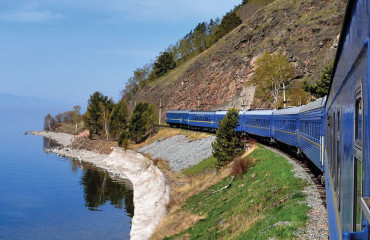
x,y
347,122
285,125
311,122
203,120
258,122
177,117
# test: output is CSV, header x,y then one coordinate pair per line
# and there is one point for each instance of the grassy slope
x,y
266,202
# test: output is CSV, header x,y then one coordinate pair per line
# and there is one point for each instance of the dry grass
x,y
182,188
164,133
174,223
161,163
241,222
70,128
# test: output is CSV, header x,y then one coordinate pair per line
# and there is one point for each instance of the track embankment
x,y
151,194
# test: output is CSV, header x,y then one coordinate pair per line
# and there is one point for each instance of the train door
x,y
358,157
339,155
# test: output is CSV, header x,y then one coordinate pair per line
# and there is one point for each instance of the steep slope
x,y
306,31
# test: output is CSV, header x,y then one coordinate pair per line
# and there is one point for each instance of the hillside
x,y
306,31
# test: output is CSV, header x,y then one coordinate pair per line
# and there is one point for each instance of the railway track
x,y
308,168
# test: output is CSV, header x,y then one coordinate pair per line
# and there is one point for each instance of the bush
x,y
161,163
240,166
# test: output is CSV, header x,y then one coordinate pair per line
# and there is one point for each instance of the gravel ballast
x,y
317,225
180,151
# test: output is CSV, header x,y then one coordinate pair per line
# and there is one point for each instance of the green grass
x,y
208,163
266,203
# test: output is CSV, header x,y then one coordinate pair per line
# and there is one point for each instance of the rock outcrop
x,y
306,31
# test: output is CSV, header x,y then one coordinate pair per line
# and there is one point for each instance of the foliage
x,y
136,82
227,144
142,122
271,72
65,117
97,114
321,87
252,207
295,95
119,118
163,64
228,23
76,116
203,36
50,123
240,166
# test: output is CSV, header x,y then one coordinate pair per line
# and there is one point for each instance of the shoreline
x,y
151,194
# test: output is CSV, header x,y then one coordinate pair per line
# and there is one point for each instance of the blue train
x,y
332,132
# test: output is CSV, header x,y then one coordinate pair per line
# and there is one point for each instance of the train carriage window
x,y
339,153
358,152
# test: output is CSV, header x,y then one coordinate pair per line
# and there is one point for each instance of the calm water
x,y
43,196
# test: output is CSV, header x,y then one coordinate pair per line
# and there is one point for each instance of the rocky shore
x,y
151,194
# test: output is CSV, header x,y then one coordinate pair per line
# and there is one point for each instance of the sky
x,y
68,49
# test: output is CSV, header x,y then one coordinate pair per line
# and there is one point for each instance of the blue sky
x,y
67,49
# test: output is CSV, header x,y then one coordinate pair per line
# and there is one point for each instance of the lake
x,y
43,196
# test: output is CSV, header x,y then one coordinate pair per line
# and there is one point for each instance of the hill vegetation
x,y
265,202
220,75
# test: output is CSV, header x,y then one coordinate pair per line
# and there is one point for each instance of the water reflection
x,y
99,187
48,143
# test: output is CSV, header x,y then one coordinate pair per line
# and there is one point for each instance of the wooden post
x,y
160,111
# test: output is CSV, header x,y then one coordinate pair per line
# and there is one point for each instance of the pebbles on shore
x,y
180,151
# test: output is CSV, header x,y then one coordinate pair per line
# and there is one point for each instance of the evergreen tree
x,y
321,87
93,115
227,144
163,64
142,121
119,118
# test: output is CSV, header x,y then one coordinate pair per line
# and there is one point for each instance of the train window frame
x,y
358,156
338,143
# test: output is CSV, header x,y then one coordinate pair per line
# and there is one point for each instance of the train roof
x,y
201,112
178,111
220,112
319,103
342,37
259,112
286,111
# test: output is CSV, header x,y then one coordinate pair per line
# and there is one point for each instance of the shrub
x,y
240,166
161,163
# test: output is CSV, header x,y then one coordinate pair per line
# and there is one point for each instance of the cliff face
x,y
306,31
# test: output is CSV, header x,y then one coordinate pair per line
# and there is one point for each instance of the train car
x,y
312,131
347,166
285,125
258,122
219,115
177,118
201,120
